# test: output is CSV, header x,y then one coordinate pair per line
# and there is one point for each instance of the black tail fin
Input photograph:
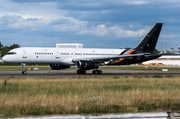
x,y
148,44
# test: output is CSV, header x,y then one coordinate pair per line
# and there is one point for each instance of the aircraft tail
x,y
148,43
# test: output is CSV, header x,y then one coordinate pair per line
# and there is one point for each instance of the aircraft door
x,y
57,54
24,53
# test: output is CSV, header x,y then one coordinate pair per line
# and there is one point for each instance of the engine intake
x,y
58,66
86,65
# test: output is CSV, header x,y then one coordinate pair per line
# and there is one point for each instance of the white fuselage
x,y
56,55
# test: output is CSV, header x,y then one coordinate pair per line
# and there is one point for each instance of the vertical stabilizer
x,y
148,44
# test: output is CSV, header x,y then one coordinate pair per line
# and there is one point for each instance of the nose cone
x,y
5,58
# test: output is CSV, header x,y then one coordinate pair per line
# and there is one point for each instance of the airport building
x,y
67,45
173,59
165,60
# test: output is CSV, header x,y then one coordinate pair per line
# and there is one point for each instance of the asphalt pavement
x,y
72,73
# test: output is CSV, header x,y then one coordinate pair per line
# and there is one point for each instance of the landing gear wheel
x,y
84,72
24,72
99,72
81,71
95,71
78,72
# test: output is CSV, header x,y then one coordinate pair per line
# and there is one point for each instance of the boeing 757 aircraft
x,y
86,58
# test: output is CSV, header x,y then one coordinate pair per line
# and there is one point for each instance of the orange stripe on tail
x,y
130,52
123,58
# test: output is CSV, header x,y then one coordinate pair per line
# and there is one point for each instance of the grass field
x,y
82,95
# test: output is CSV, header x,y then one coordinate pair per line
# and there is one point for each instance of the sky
x,y
94,23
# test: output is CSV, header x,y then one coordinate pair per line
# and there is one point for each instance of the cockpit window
x,y
11,53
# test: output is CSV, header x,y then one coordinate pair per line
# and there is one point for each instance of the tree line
x,y
5,49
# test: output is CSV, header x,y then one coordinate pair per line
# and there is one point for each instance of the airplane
x,y
87,58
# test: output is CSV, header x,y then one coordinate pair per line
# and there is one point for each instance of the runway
x,y
72,73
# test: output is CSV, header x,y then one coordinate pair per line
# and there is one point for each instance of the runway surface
x,y
151,115
72,73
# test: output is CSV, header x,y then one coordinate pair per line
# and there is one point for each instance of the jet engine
x,y
58,66
86,65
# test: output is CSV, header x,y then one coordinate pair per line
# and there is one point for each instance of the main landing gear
x,y
93,72
23,68
81,71
96,72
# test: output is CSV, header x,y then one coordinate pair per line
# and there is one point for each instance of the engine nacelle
x,y
86,65
58,66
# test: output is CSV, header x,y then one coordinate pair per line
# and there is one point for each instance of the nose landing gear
x,y
23,68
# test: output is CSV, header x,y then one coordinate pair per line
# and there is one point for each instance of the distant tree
x,y
1,46
156,51
14,46
4,51
127,48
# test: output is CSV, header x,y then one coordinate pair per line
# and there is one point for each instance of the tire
x,y
24,72
93,72
99,72
96,72
78,72
84,72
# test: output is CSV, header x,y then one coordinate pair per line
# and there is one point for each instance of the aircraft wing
x,y
110,58
115,58
97,59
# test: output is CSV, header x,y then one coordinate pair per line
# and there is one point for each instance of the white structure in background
x,y
67,45
166,60
0,57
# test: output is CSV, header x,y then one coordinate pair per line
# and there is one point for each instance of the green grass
x,y
80,95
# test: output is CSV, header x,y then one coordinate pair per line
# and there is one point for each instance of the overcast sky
x,y
94,23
